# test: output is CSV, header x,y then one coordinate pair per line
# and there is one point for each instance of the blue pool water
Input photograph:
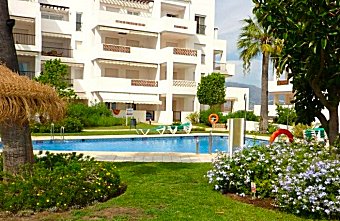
x,y
147,144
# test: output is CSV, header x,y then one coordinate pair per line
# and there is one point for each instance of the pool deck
x,y
142,156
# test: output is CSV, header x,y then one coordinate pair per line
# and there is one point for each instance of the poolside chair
x,y
172,129
159,129
186,127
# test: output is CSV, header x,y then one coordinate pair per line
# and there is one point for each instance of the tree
x,y
253,41
20,99
17,137
211,90
311,53
55,74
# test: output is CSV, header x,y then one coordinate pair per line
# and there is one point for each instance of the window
x,y
78,21
133,12
113,41
111,72
112,9
132,74
200,26
51,16
132,43
171,15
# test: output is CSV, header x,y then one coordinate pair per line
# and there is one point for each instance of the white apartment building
x,y
282,91
148,55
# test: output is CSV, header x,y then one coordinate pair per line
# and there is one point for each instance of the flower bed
x,y
59,182
302,178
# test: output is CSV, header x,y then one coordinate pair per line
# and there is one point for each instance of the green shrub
x,y
285,115
198,129
240,114
70,125
59,181
204,115
194,118
272,128
298,130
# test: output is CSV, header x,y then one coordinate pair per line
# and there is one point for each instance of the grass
x,y
169,191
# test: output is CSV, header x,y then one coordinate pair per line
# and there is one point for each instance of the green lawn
x,y
170,191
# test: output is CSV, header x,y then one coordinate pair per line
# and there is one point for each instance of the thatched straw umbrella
x,y
20,100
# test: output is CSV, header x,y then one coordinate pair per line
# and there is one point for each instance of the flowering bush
x,y
58,182
283,171
314,191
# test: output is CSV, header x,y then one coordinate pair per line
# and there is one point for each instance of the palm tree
x,y
253,41
15,137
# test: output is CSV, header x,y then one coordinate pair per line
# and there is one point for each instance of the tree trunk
x,y
16,138
333,125
264,93
17,145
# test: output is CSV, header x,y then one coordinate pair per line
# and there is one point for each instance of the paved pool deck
x,y
142,156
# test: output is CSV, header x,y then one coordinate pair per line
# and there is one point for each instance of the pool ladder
x,y
62,132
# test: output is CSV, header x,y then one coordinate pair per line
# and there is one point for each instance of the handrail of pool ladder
x,y
62,133
52,131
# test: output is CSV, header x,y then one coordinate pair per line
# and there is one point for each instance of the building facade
x,y
148,55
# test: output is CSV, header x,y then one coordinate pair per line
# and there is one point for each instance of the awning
x,y
27,53
126,31
140,4
23,19
127,63
54,7
130,98
70,64
55,35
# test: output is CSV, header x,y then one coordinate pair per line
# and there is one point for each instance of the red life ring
x,y
115,111
213,118
279,132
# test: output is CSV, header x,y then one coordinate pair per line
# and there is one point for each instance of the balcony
x,y
282,82
223,68
116,48
56,52
128,54
280,86
184,83
185,52
177,25
111,84
26,39
57,26
144,83
126,21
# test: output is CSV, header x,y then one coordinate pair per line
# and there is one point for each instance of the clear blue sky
x,y
229,14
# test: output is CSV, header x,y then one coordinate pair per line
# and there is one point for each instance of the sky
x,y
228,18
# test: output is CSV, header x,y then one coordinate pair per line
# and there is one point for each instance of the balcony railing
x,y
282,82
56,52
144,83
183,83
29,74
26,39
185,51
116,48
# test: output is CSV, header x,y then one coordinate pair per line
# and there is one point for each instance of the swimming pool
x,y
180,144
